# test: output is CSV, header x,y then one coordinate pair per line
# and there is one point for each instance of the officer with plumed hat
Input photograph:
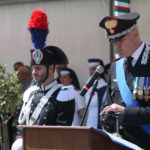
x,y
41,105
128,92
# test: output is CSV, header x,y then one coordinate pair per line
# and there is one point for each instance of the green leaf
x,y
10,93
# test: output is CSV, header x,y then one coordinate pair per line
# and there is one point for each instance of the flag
x,y
121,7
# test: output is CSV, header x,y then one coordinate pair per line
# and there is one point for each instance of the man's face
x,y
39,73
92,70
125,47
66,80
23,73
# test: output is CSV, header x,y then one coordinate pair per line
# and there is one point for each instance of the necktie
x,y
129,62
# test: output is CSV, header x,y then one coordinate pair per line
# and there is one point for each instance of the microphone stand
x,y
94,88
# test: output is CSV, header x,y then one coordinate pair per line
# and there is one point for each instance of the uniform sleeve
x,y
113,93
65,112
109,92
135,116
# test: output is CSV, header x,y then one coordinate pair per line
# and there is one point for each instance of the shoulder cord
x,y
25,110
41,105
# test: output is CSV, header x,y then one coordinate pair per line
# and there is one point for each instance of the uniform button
x,y
31,111
46,110
48,103
44,117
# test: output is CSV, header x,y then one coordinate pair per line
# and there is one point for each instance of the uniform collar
x,y
137,53
67,86
48,86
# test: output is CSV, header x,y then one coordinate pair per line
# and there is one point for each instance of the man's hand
x,y
114,108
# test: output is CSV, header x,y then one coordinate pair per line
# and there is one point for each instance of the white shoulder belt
x,y
24,115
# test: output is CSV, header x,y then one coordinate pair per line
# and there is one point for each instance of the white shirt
x,y
70,93
137,54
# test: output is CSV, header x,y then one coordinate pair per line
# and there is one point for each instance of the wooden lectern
x,y
66,138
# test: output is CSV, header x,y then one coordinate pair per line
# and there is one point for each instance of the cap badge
x,y
37,56
110,24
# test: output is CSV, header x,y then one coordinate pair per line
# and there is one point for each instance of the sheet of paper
x,y
121,141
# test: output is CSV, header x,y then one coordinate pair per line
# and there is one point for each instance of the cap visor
x,y
117,39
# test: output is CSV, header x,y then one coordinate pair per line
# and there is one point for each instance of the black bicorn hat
x,y
49,55
42,54
118,27
95,62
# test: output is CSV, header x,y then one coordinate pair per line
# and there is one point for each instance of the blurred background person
x,y
17,65
24,77
58,69
72,90
98,99
107,68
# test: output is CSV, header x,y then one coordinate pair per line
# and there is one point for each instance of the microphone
x,y
89,83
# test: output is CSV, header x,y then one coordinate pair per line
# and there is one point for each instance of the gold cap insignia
x,y
111,24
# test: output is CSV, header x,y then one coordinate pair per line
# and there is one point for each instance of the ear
x,y
136,32
51,68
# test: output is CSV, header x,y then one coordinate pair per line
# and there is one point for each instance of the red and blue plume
x,y
38,27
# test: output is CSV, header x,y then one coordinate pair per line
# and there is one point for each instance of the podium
x,y
66,138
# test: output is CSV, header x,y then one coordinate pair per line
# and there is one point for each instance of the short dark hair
x,y
18,63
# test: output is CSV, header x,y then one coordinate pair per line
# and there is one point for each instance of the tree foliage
x,y
10,93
